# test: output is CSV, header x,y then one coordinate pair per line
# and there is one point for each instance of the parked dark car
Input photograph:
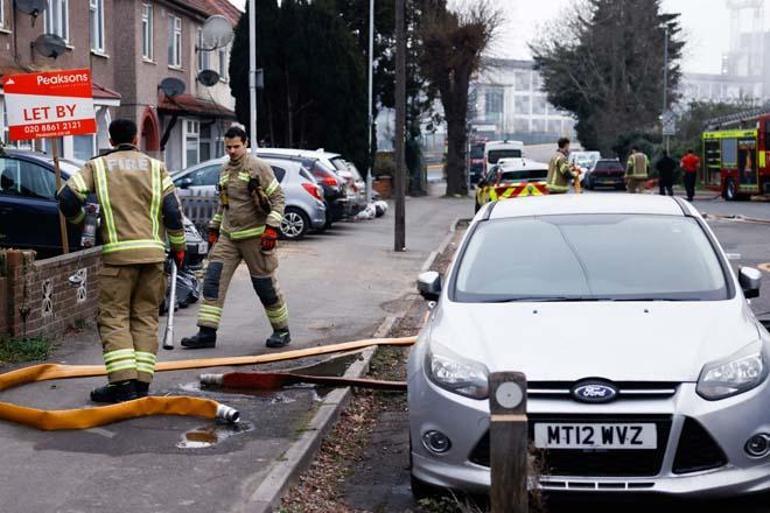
x,y
29,211
605,173
476,162
334,186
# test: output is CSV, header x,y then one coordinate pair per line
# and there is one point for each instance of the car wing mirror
x,y
750,280
429,285
185,182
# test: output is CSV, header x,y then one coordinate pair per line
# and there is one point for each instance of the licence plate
x,y
595,436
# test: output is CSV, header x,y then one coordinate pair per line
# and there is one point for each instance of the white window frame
x,y
175,41
2,14
224,58
55,24
96,24
148,38
190,130
204,57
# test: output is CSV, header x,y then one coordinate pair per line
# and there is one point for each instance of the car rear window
x,y
495,155
527,174
339,163
608,166
590,257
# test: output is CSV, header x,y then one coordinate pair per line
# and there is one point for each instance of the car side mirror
x,y
429,285
185,182
750,280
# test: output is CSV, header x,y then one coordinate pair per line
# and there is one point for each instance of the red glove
x,y
179,258
269,237
213,237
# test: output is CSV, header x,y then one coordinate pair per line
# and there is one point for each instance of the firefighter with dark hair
x,y
245,227
560,173
138,204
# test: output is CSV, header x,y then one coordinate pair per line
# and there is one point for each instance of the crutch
x,y
168,336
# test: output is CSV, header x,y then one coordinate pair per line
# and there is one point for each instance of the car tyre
x,y
729,193
295,223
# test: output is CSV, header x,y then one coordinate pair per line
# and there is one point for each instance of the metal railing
x,y
199,207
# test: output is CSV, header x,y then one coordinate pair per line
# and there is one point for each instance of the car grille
x,y
697,450
579,462
626,389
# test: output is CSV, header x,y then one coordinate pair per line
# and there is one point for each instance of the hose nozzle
x,y
228,414
212,379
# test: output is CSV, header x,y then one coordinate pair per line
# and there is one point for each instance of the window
x,y
539,105
174,41
207,176
203,55
538,125
191,143
22,178
147,37
493,105
2,14
521,80
96,19
224,58
279,173
57,18
84,146
205,142
522,104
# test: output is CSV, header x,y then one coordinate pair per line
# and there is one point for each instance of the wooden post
x,y
65,243
508,442
399,182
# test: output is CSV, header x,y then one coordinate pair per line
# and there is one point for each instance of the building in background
x,y
131,46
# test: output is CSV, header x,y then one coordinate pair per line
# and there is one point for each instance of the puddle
x,y
211,435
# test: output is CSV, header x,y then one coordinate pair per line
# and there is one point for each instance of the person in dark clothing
x,y
666,166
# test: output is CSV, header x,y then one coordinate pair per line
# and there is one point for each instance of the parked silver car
x,y
647,371
305,209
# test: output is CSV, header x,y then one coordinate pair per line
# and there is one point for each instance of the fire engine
x,y
736,157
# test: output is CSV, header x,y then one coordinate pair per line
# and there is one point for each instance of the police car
x,y
512,178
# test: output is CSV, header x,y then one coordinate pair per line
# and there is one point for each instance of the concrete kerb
x,y
267,496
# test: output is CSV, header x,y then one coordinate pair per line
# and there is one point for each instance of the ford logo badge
x,y
594,392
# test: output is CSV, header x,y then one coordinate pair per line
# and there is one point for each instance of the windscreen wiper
x,y
643,299
547,299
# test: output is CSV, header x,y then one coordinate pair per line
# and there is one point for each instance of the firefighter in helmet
x,y
137,204
560,173
245,227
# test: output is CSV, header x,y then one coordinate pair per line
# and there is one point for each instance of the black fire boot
x,y
142,389
115,392
279,338
206,337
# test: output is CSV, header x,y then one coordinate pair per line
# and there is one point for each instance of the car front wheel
x,y
295,223
730,194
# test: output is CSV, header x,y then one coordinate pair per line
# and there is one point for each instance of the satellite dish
x,y
216,33
171,86
208,77
49,45
32,7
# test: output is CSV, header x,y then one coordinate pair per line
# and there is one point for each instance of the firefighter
x,y
137,201
560,173
245,227
637,170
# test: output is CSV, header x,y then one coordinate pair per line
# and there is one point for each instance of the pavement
x,y
341,285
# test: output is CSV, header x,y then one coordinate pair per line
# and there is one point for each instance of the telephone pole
x,y
399,243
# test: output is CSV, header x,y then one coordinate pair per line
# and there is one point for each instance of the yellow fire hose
x,y
84,418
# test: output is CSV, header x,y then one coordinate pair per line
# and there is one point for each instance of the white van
x,y
496,150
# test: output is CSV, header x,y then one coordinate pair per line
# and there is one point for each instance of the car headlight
x,y
456,374
733,375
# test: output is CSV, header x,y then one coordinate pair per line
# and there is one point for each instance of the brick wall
x,y
47,297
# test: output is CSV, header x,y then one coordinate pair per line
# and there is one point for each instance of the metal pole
x,y
665,78
399,243
370,106
253,76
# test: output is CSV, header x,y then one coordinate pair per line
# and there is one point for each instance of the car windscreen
x,y
495,155
522,175
608,166
590,257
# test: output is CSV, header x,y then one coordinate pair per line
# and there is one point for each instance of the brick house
x,y
131,46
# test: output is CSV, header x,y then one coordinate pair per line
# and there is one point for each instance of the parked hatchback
x,y
605,173
304,211
647,371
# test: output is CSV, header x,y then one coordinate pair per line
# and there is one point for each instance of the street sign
x,y
668,123
49,104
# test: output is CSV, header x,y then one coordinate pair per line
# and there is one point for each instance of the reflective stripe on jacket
x,y
559,174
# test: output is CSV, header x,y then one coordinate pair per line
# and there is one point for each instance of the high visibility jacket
x,y
134,192
559,174
638,166
690,163
240,214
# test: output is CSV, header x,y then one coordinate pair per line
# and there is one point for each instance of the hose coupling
x,y
228,414
212,379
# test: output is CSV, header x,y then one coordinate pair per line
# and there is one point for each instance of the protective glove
x,y
268,239
179,258
213,237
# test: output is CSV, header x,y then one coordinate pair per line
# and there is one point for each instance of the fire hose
x,y
84,418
